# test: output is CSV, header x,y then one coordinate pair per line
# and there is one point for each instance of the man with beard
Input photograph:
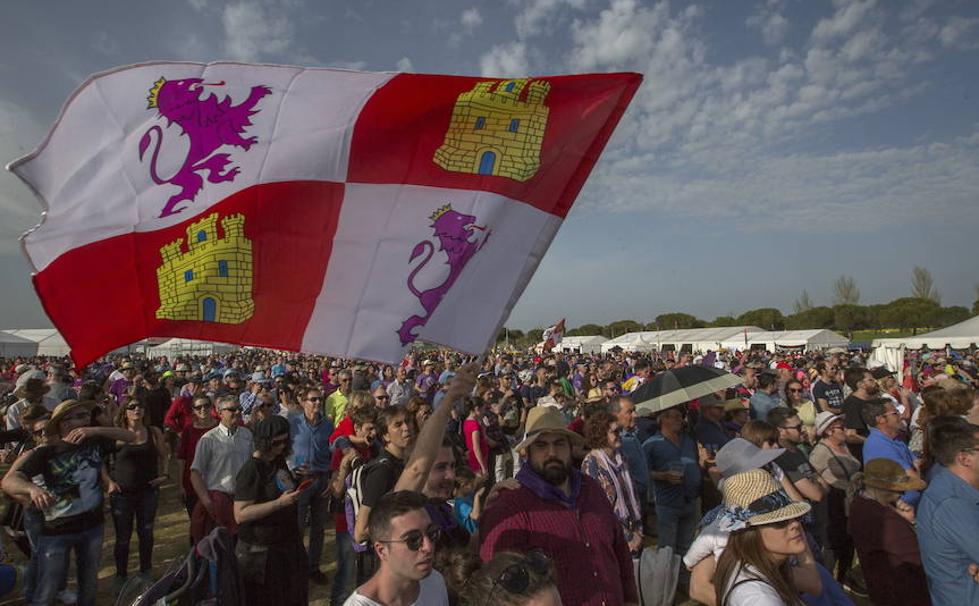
x,y
865,389
564,513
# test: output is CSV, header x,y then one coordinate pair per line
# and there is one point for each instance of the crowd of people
x,y
517,478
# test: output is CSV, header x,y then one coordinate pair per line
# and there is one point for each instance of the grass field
x,y
171,544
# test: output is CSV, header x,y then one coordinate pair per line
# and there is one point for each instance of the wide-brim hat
x,y
546,419
889,475
127,365
824,420
32,386
755,498
734,405
740,455
64,408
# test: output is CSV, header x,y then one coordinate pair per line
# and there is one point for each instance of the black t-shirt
x,y
795,465
380,478
853,419
70,472
261,481
831,392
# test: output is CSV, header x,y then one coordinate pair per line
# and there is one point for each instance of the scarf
x,y
626,506
547,491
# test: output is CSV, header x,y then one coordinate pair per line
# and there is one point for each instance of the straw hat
x,y
734,404
754,498
546,419
889,475
824,420
66,407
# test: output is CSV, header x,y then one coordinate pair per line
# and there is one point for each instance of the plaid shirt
x,y
581,535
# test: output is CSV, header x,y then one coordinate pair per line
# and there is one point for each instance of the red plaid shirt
x,y
586,544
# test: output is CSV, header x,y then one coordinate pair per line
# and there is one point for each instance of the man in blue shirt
x,y
765,397
624,410
311,458
884,421
948,517
674,467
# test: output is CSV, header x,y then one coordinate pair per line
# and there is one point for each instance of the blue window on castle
x,y
480,123
201,236
509,87
188,275
223,269
514,125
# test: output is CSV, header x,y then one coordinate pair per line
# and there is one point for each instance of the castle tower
x,y
212,280
497,128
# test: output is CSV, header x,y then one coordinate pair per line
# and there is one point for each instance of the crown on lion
x,y
155,92
441,211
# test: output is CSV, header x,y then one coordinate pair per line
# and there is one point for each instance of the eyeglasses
x,y
789,427
413,538
893,412
133,407
383,398
232,409
795,390
316,399
203,407
516,577
280,441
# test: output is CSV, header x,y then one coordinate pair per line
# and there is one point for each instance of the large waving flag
x,y
552,336
319,210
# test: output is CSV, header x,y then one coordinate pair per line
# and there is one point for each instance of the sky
x,y
773,146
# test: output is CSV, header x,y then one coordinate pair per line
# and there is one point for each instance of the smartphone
x,y
304,485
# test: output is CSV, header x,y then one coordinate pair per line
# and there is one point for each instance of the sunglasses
x,y
280,441
413,539
232,409
795,390
203,407
133,407
788,427
383,398
316,399
516,577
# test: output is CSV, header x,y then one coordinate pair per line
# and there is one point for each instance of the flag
x,y
552,337
319,210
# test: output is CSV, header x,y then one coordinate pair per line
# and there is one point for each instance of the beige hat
x,y
32,386
754,498
824,420
546,419
889,475
64,408
735,404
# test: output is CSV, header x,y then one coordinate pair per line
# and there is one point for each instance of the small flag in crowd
x,y
320,210
553,335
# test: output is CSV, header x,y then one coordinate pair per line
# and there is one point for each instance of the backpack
x,y
354,498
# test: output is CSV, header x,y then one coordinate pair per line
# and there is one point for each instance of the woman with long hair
x,y
795,398
765,532
605,463
201,423
477,446
270,548
138,469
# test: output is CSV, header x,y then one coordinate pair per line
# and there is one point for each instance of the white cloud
x,y
198,5
770,21
404,65
471,18
255,30
505,60
538,16
623,32
20,133
960,33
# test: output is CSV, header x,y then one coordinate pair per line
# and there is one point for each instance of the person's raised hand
x,y
462,383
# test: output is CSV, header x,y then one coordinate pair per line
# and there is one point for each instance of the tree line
x,y
920,311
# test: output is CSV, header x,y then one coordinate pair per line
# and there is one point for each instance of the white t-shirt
x,y
752,593
433,593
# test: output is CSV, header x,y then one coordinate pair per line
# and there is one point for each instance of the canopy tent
x,y
690,339
189,347
958,336
583,344
12,346
48,340
806,340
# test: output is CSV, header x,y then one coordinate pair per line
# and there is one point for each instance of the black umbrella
x,y
674,387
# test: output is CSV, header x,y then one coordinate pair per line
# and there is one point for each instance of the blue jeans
x,y
33,522
676,526
139,505
52,564
346,570
313,505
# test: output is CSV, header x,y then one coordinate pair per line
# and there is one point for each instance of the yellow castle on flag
x,y
494,132
212,281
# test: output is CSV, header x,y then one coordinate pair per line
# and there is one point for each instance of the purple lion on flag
x,y
209,123
454,232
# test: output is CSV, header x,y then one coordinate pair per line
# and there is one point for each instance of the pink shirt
x,y
470,427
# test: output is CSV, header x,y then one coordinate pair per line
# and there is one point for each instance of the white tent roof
x,y
957,336
49,341
177,347
699,338
584,344
12,346
811,339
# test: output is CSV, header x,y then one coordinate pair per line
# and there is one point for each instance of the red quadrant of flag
x,y
288,227
403,124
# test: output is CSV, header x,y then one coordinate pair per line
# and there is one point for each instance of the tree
x,y
923,286
953,315
911,313
803,303
847,318
675,320
620,327
815,317
587,330
768,318
724,321
845,291
975,306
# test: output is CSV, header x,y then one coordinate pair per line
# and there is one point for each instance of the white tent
x,y
583,344
690,339
189,347
807,339
49,341
958,336
12,346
